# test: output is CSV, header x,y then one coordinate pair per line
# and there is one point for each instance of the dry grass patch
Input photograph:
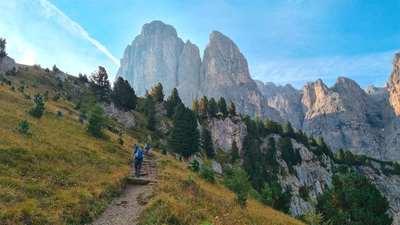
x,y
181,197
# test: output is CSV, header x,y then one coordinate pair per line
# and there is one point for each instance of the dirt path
x,y
125,209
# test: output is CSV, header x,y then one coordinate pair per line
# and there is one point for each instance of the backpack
x,y
148,145
139,155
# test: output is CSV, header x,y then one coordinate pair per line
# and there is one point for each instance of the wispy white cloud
x,y
362,68
52,12
39,33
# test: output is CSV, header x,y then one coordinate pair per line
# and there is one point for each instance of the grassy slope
x,y
60,175
182,197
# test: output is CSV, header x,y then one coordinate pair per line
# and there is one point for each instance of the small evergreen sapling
x,y
38,110
23,127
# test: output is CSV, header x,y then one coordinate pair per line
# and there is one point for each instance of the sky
x,y
284,41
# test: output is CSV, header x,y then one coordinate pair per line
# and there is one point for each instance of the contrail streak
x,y
71,26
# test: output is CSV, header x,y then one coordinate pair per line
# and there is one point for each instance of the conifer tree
x,y
184,137
100,84
123,94
234,152
312,141
172,101
231,109
203,105
212,107
150,112
288,130
97,122
157,92
195,106
353,200
222,106
38,110
207,144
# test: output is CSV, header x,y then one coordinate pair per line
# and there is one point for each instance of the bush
x,y
238,182
21,89
27,96
56,97
241,200
38,110
120,141
23,127
207,173
194,166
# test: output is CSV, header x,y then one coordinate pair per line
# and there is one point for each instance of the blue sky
x,y
284,41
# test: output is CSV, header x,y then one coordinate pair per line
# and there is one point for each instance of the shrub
x,y
207,173
241,200
78,106
27,96
194,166
38,110
21,89
12,88
120,141
238,182
23,127
56,97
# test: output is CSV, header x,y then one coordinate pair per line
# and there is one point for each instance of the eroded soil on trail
x,y
125,209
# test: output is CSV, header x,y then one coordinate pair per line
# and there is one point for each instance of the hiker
x,y
138,159
59,113
36,99
80,120
135,148
148,146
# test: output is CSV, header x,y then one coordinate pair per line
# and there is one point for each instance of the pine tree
x,y
184,138
150,112
172,101
288,130
234,152
231,109
97,122
207,144
100,84
38,110
157,92
212,107
353,200
195,106
203,105
123,94
222,106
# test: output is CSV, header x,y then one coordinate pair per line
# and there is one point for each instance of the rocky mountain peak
x,y
158,28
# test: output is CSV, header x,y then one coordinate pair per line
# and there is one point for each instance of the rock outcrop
x,y
394,84
7,64
224,132
124,118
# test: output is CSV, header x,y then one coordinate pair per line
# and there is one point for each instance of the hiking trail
x,y
125,209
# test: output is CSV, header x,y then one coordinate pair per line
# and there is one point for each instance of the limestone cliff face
x,y
224,132
343,115
189,74
151,58
394,84
225,73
